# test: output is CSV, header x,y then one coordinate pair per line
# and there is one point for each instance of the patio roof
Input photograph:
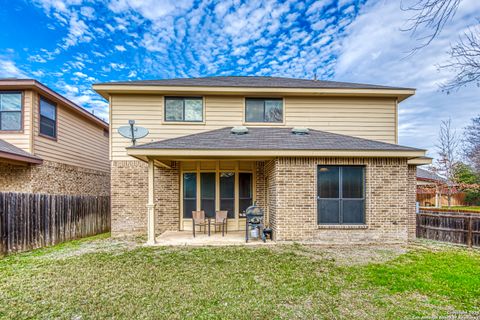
x,y
10,152
269,141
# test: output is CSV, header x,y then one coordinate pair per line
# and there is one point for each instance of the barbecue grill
x,y
254,223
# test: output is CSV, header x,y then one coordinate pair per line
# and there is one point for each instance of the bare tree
x,y
464,60
447,155
471,143
428,19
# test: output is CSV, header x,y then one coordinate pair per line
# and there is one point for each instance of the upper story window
x,y
183,109
48,118
264,110
10,111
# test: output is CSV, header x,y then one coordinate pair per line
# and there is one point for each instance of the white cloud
x,y
150,9
8,69
120,48
77,32
80,74
37,58
88,12
38,73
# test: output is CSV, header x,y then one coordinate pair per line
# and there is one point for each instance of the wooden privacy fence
x,y
31,220
450,227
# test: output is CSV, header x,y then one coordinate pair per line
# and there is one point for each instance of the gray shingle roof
x,y
271,139
429,175
244,81
9,148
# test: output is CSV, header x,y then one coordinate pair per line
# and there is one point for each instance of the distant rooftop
x,y
254,82
423,174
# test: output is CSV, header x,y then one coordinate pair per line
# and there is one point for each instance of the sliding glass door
x,y
189,194
230,189
227,193
207,193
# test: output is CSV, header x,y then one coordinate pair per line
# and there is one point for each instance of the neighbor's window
x,y
184,109
48,118
341,194
10,111
264,110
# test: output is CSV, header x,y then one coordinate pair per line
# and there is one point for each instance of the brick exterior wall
x,y
286,188
54,178
260,184
412,199
129,198
390,201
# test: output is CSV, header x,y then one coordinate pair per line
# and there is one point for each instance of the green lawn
x,y
101,278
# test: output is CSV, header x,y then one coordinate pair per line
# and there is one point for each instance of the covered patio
x,y
274,168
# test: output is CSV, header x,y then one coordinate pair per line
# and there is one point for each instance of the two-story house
x,y
321,158
48,144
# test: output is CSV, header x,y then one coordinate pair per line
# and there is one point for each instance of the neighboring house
x,y
432,190
345,180
48,144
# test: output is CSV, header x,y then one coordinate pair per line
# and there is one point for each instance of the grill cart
x,y
254,223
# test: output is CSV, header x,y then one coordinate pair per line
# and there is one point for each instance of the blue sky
x,y
71,44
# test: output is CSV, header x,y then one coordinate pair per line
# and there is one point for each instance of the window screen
x,y
183,109
264,110
189,194
341,194
227,193
245,191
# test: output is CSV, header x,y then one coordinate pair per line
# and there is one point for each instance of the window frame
x,y
40,134
164,118
340,198
22,111
245,122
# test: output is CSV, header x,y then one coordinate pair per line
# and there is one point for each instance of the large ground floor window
x,y
341,194
211,191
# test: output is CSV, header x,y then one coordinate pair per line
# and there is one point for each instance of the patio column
x,y
151,203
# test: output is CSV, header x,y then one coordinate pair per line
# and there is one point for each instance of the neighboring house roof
x,y
427,175
252,81
10,152
272,139
21,84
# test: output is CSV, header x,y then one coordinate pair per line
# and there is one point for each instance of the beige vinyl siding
x,y
367,118
370,118
22,139
79,142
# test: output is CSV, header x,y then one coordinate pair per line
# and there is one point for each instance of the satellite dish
x,y
132,132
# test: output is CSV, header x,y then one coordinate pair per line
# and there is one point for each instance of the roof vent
x,y
239,130
300,131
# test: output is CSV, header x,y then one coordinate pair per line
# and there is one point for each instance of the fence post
x,y
470,233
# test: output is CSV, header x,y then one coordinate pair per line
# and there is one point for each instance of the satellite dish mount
x,y
132,132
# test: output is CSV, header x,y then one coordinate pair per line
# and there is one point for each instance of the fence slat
x,y
450,227
29,221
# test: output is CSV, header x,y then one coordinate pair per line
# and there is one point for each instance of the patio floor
x,y
185,238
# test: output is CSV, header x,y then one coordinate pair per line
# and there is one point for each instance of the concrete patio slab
x,y
185,238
